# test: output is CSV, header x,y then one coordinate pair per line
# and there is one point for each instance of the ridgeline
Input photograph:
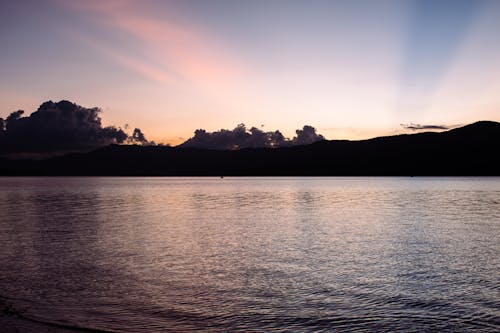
x,y
472,150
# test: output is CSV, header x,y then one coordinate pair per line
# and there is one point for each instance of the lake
x,y
250,254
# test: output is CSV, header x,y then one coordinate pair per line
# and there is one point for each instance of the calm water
x,y
250,254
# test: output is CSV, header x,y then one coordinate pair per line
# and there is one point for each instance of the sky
x,y
353,69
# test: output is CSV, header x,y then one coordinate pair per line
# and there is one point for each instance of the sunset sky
x,y
353,69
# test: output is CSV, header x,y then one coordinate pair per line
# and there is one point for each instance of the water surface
x,y
250,254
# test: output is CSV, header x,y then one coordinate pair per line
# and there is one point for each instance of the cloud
x,y
58,127
418,127
172,52
306,135
240,137
138,137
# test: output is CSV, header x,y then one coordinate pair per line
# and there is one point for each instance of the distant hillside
x,y
470,150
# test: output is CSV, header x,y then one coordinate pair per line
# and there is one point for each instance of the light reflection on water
x,y
252,254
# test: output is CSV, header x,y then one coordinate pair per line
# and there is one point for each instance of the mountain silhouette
x,y
469,150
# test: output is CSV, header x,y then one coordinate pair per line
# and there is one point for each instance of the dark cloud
x,y
418,127
13,117
138,137
240,137
306,135
57,127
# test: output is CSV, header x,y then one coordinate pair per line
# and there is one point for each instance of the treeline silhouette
x,y
469,150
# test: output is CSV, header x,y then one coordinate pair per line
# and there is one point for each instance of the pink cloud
x,y
172,52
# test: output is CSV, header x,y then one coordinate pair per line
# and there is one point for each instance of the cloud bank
x,y
60,127
418,127
240,137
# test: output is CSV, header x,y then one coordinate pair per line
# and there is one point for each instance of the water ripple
x,y
250,254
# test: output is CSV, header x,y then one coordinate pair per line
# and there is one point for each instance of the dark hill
x,y
469,150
